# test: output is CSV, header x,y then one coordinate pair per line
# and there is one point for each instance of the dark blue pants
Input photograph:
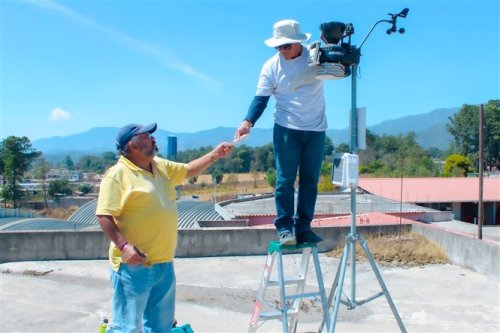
x,y
294,151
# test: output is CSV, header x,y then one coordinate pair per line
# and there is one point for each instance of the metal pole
x,y
401,193
480,216
353,146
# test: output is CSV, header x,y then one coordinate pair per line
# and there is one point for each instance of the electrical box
x,y
345,171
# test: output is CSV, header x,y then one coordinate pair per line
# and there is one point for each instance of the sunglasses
x,y
285,47
146,135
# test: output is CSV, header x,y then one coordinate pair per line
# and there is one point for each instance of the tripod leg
x,y
337,288
319,279
334,287
362,242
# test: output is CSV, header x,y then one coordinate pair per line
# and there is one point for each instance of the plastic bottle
x,y
103,325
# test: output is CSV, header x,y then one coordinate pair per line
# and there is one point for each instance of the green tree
x,y
59,188
325,185
217,177
69,163
271,177
386,154
435,152
263,157
245,156
492,134
328,146
109,159
40,171
97,164
16,155
464,126
326,169
86,188
456,165
342,148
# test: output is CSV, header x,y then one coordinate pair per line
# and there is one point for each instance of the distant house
x,y
457,194
92,177
73,176
54,174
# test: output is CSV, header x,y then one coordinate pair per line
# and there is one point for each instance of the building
x,y
458,195
171,147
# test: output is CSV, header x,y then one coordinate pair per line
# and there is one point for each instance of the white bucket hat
x,y
286,32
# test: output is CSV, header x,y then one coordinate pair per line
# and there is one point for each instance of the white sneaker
x,y
287,238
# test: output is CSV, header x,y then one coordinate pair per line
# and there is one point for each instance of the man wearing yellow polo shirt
x,y
136,210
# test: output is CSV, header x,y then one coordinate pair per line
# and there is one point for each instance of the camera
x,y
335,58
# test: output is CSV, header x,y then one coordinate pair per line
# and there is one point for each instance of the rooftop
x,y
70,296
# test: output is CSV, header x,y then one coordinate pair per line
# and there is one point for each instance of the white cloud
x,y
59,114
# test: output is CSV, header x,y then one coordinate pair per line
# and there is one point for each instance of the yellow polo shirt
x,y
143,206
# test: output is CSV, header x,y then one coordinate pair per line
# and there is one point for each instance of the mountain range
x,y
430,130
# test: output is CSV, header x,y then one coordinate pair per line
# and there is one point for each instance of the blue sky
x,y
69,66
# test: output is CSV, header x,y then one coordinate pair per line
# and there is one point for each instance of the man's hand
x,y
243,129
133,256
200,164
221,151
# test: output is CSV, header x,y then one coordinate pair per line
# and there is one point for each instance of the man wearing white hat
x,y
299,129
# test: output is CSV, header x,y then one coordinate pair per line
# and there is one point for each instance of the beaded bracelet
x,y
122,245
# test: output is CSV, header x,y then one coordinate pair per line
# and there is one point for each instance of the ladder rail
x,y
266,273
304,265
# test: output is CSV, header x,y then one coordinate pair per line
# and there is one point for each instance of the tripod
x,y
333,33
350,245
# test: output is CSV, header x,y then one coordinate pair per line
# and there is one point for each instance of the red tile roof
x,y
419,190
375,218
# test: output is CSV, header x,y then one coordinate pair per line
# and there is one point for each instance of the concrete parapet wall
x,y
254,241
437,216
478,255
52,245
462,250
206,242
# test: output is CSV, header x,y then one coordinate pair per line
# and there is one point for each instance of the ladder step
x,y
288,280
275,314
268,315
303,295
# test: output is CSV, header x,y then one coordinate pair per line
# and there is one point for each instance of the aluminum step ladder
x,y
288,306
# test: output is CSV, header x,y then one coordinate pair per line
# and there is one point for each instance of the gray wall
x,y
71,245
474,254
478,255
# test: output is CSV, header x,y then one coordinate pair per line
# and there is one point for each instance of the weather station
x,y
338,59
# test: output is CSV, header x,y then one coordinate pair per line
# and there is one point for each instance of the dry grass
x,y
242,183
59,213
409,249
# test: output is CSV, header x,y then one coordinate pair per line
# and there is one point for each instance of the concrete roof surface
x,y
216,295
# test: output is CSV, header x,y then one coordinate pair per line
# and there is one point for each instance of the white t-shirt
x,y
300,102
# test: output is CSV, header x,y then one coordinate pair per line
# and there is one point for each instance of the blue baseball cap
x,y
127,132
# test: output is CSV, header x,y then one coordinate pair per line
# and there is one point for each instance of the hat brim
x,y
147,129
275,42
